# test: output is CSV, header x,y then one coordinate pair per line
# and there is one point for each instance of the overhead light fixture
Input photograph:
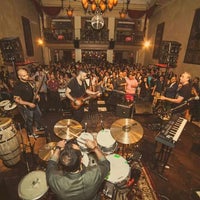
x,y
91,6
69,11
123,12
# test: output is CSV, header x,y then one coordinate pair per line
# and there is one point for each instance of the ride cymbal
x,y
67,129
47,151
126,131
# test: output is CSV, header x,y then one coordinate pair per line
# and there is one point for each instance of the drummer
x,y
76,181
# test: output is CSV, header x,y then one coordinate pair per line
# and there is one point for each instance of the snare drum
x,y
119,171
106,142
9,145
81,140
33,186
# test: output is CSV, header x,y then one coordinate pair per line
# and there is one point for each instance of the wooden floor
x,y
182,174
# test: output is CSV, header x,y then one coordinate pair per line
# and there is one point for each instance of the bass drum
x,y
9,144
106,142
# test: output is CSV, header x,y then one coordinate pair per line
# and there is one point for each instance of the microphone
x,y
196,98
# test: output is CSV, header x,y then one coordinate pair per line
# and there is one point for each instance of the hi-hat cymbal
x,y
47,151
126,131
67,129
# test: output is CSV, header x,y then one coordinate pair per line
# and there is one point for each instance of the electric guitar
x,y
35,99
82,100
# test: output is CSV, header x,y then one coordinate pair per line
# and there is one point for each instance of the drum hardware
x,y
67,128
25,146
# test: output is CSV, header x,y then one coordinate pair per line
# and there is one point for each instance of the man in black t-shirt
x,y
23,93
183,93
76,89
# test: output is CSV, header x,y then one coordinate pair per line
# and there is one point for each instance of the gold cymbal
x,y
47,151
67,129
126,131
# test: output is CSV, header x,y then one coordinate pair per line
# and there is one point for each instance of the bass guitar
x,y
80,101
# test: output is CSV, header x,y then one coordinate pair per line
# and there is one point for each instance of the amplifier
x,y
124,110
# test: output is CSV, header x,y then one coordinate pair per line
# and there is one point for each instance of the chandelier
x,y
97,22
102,5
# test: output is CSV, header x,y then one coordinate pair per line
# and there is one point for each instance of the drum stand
x,y
29,145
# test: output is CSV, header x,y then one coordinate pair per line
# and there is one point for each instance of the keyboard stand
x,y
161,157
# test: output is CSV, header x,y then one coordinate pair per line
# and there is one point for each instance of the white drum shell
x,y
106,142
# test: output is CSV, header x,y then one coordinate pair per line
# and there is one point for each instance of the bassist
x,y
25,97
75,91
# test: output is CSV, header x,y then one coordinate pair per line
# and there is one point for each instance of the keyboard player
x,y
183,93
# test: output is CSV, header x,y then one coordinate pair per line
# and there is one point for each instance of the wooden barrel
x,y
9,145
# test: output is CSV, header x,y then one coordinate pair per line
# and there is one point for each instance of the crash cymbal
x,y
67,129
47,151
126,131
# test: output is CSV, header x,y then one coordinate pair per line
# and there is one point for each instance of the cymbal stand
x,y
24,148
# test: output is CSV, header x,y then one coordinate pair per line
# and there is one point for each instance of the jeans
x,y
31,117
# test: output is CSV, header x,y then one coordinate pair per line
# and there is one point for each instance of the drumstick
x,y
79,140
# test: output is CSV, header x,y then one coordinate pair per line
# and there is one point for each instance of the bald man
x,y
183,93
23,93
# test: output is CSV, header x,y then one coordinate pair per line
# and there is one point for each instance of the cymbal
x,y
67,129
47,151
126,131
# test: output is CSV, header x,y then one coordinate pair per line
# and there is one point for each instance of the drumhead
x,y
10,106
4,102
33,185
105,139
119,168
81,139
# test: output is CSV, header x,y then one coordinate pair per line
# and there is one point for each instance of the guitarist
x,y
25,98
75,91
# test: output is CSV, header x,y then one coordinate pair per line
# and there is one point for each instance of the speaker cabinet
x,y
111,44
76,44
143,108
124,111
169,51
11,50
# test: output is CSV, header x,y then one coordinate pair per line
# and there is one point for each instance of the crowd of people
x,y
121,81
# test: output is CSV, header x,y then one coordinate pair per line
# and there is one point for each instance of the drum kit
x,y
124,131
7,108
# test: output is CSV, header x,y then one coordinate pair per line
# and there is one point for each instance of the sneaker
x,y
39,129
34,135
